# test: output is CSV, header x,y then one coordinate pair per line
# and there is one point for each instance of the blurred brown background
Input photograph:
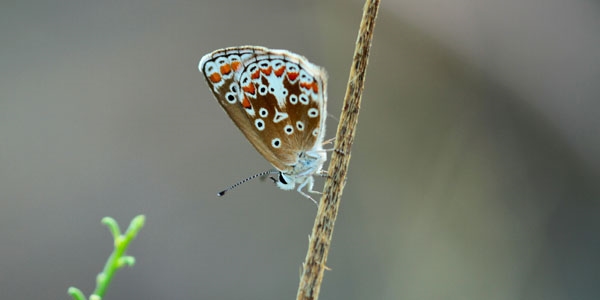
x,y
474,174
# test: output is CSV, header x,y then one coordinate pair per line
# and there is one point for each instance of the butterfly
x,y
278,100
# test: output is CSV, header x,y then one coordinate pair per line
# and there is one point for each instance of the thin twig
x,y
320,239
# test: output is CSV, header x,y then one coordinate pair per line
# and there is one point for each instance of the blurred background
x,y
474,173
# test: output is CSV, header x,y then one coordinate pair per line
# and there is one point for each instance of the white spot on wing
x,y
276,143
263,112
303,99
231,98
260,124
279,116
288,129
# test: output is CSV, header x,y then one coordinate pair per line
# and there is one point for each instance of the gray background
x,y
474,174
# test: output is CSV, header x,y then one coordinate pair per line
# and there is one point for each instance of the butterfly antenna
x,y
261,174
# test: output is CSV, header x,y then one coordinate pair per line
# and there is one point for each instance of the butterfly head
x,y
309,163
284,181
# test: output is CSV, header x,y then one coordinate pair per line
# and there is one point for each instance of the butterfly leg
x,y
329,141
308,196
332,149
308,183
323,173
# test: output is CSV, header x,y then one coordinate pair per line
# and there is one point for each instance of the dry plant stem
x,y
320,239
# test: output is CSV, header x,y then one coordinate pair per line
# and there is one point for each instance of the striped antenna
x,y
261,174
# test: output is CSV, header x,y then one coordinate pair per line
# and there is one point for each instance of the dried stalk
x,y
320,239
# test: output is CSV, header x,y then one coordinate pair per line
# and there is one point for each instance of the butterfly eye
x,y
282,179
293,99
300,125
313,113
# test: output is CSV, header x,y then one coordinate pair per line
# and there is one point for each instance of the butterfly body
x,y
278,100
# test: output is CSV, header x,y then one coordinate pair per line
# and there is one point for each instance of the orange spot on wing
x,y
313,85
293,75
251,89
280,71
215,77
255,75
236,65
246,103
225,69
267,71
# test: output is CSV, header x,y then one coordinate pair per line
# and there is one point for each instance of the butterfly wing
x,y
275,97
